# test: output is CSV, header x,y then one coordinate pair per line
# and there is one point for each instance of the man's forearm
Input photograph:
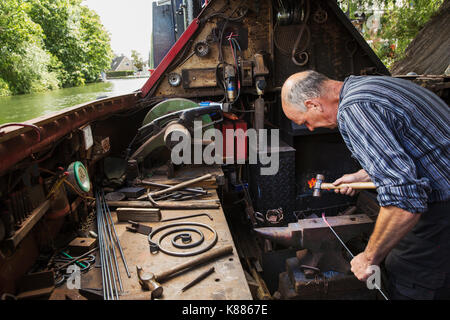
x,y
392,224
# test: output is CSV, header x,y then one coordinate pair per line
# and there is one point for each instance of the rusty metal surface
x,y
199,78
314,233
335,48
257,28
343,287
19,143
228,282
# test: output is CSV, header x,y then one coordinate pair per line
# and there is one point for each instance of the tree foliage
x,y
24,62
138,62
400,22
75,36
47,44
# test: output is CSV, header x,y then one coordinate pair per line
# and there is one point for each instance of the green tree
x,y
75,37
99,53
138,62
400,23
24,62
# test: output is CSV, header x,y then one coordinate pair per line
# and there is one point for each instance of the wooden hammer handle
x,y
353,185
215,253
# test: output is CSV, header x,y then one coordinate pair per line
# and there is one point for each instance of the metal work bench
x,y
228,282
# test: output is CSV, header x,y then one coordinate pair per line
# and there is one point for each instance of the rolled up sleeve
x,y
372,134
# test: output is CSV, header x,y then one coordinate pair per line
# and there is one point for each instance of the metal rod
x,y
70,257
202,276
348,250
110,261
160,185
77,258
100,245
113,251
107,283
189,216
117,239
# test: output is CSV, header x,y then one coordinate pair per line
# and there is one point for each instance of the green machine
x,y
171,115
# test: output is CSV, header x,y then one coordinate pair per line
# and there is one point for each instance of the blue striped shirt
x,y
399,132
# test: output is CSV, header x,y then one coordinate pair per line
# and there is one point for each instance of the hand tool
x,y
213,254
148,282
354,185
179,186
185,197
168,205
202,276
139,228
160,185
68,256
76,258
348,250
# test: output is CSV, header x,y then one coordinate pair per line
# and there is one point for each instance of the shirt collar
x,y
342,93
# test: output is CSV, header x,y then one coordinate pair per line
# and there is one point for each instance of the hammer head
x,y
318,185
148,282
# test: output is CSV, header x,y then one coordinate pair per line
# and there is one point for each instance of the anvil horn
x,y
281,235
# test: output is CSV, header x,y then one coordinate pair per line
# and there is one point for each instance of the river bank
x,y
25,107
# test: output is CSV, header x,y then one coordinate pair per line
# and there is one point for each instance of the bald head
x,y
311,99
300,87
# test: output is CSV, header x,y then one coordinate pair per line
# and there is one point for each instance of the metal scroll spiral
x,y
297,14
182,233
303,55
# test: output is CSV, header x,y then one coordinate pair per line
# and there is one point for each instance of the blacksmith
x,y
400,134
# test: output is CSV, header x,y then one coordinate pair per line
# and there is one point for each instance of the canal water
x,y
29,106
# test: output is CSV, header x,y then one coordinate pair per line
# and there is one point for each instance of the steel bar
x,y
182,185
202,276
179,186
101,249
105,279
348,250
110,259
109,283
108,227
189,216
160,185
117,239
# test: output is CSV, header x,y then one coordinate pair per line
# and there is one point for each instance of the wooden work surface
x,y
227,282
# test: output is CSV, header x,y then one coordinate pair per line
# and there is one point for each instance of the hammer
x,y
354,185
149,281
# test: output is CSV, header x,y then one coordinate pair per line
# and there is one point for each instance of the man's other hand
x,y
360,266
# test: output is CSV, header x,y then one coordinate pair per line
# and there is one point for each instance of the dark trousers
x,y
419,265
409,291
